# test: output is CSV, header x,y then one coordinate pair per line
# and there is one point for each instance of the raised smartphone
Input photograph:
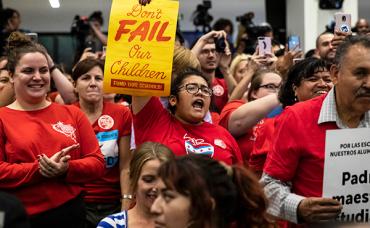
x,y
294,43
264,45
342,22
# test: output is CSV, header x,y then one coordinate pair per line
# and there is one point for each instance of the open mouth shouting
x,y
198,104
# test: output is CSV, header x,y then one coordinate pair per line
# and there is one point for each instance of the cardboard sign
x,y
347,172
140,47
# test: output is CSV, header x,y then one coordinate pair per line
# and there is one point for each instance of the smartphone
x,y
294,43
342,22
33,36
90,44
264,45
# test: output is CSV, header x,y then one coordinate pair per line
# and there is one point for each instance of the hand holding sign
x,y
316,210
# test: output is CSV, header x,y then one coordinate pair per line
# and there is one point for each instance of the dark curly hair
x,y
301,70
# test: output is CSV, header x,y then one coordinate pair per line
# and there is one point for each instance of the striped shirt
x,y
118,220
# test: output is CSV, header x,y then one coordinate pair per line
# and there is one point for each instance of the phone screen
x,y
264,45
293,43
343,22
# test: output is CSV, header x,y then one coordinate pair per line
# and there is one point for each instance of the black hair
x,y
177,82
85,66
5,15
222,23
301,70
97,16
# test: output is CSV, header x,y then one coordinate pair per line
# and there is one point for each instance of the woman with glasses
x,y
182,128
242,118
307,79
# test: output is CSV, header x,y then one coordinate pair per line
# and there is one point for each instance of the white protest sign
x,y
347,172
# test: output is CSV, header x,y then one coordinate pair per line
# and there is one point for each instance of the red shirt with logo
x,y
113,124
27,134
220,93
246,140
155,123
262,145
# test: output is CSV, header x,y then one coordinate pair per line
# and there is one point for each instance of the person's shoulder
x,y
234,104
306,107
118,220
113,107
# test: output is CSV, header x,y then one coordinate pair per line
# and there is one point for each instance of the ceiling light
x,y
54,3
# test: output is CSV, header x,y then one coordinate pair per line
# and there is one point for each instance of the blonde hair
x,y
183,59
146,152
237,60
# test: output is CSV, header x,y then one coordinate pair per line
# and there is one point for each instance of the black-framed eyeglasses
x,y
271,87
194,88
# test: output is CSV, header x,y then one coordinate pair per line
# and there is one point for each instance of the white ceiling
x,y
39,17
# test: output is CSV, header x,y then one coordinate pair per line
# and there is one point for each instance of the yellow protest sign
x,y
140,47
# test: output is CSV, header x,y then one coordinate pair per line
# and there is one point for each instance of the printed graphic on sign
x,y
66,129
109,147
198,146
347,172
140,47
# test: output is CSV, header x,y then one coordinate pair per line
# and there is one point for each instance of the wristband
x,y
127,196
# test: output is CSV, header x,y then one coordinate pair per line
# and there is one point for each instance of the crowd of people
x,y
239,142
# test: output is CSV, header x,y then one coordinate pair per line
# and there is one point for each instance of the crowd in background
x,y
239,142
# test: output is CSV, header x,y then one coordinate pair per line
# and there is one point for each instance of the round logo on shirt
x,y
106,122
218,90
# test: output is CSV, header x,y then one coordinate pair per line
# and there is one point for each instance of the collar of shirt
x,y
328,112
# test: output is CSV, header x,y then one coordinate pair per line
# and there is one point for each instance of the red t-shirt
x,y
262,145
26,134
113,124
246,140
155,123
220,93
298,148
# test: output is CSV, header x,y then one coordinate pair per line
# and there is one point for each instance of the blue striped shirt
x,y
118,220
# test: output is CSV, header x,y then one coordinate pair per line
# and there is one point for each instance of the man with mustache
x,y
293,175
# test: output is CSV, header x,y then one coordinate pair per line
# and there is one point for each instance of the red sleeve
x,y
150,117
283,159
13,175
227,110
91,164
262,145
125,127
215,118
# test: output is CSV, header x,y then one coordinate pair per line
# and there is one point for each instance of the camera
x,y
220,45
246,19
80,26
201,17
